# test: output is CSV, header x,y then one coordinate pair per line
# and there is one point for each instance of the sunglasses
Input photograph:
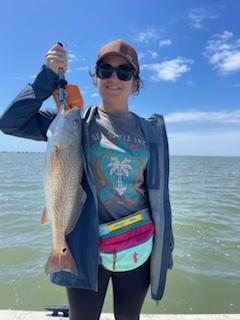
x,y
105,71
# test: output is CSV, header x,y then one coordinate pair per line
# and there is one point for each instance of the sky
x,y
189,53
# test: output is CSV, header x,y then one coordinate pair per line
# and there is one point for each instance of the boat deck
x,y
46,315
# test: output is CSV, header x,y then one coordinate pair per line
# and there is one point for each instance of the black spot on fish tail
x,y
61,261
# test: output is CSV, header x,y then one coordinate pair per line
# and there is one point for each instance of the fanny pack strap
x,y
138,218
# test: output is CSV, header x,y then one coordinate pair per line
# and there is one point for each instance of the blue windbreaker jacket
x,y
23,118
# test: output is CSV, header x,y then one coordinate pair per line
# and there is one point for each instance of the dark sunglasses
x,y
105,71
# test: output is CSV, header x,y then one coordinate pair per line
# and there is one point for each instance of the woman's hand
x,y
56,58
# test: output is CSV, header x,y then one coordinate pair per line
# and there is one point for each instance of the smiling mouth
x,y
113,88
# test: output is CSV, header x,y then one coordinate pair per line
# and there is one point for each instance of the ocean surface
x,y
205,198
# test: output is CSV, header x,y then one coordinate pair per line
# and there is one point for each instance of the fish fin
x,y
61,261
44,216
79,203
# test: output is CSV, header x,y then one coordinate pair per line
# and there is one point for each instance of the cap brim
x,y
116,54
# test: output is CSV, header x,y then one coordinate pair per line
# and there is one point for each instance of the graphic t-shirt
x,y
118,158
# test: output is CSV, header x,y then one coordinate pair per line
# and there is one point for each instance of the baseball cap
x,y
121,48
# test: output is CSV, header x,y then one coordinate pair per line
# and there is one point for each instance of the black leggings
x,y
129,291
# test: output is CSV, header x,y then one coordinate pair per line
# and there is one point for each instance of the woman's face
x,y
115,92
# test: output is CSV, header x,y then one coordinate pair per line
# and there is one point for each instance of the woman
x,y
124,231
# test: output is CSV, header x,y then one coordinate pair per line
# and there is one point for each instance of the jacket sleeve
x,y
22,117
159,120
167,200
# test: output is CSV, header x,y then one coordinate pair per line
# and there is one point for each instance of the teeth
x,y
113,88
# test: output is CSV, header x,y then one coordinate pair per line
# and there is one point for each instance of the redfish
x,y
64,194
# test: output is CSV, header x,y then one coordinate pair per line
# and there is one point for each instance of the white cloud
x,y
227,117
223,52
147,36
232,63
169,70
165,43
72,57
141,55
199,15
148,54
207,139
205,142
152,35
153,54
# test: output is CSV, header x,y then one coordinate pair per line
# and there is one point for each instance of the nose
x,y
114,75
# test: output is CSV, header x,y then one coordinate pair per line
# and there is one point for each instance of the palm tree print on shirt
x,y
120,169
118,166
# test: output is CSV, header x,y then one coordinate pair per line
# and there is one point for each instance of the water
x,y
206,210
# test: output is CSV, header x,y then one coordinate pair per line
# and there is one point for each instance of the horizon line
x,y
171,155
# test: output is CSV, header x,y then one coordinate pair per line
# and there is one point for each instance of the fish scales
x,y
64,194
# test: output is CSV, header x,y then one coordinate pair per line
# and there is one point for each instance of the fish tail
x,y
61,261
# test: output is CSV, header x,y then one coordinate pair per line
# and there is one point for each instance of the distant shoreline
x,y
171,155
22,152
